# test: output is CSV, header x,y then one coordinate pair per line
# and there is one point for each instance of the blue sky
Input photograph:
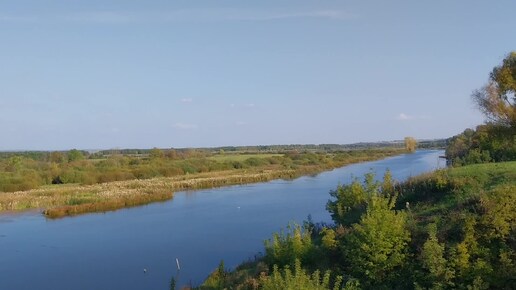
x,y
142,74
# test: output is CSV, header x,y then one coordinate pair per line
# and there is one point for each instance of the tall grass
x,y
108,205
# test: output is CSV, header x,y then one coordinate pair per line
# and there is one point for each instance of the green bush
x,y
298,279
287,246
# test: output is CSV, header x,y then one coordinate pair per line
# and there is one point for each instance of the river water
x,y
199,228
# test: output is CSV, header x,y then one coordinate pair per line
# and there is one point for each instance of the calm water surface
x,y
200,228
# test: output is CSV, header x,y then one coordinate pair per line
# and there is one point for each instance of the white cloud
x,y
184,126
186,100
251,105
404,117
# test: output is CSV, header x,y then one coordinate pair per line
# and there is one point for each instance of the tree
x,y
349,201
285,247
56,157
410,144
432,258
156,153
74,155
497,99
376,248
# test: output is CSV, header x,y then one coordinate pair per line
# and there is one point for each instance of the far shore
x,y
57,201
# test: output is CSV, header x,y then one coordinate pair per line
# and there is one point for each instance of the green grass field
x,y
446,192
487,175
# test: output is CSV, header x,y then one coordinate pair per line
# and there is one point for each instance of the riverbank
x,y
71,199
456,220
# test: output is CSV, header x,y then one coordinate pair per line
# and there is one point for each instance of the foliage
x,y
497,99
472,209
488,143
288,246
376,248
499,208
328,240
217,280
156,153
350,201
28,170
410,144
75,155
297,279
438,274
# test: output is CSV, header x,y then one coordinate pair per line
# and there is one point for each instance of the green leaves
x,y
297,279
377,246
505,75
438,274
287,246
497,99
349,202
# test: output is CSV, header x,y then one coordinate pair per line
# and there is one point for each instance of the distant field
x,y
241,157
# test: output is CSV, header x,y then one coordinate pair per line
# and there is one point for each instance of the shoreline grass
x,y
57,201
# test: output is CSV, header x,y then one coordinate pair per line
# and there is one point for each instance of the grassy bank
x,y
70,199
451,229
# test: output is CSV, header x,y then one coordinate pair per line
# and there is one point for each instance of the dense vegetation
x,y
75,182
454,228
28,170
488,143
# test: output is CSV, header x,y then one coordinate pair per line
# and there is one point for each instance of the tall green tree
x,y
438,274
74,155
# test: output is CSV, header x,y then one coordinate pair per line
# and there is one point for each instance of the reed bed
x,y
63,200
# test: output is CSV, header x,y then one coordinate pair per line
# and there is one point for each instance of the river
x,y
199,228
